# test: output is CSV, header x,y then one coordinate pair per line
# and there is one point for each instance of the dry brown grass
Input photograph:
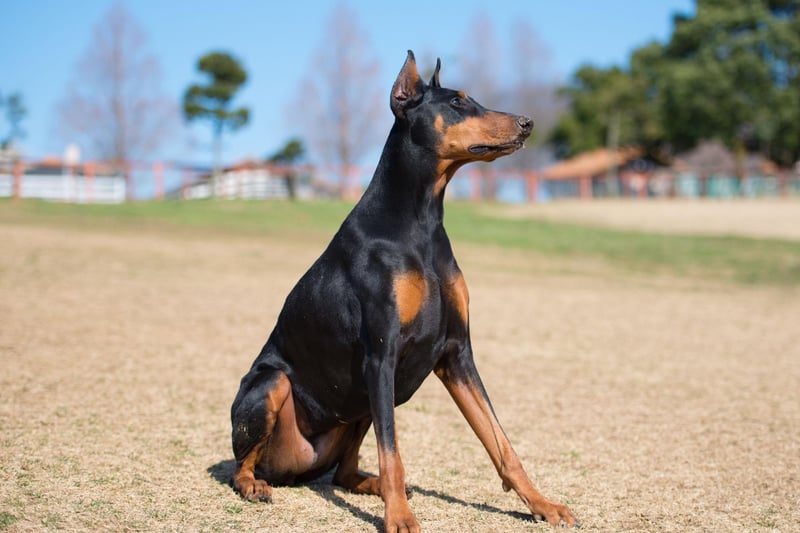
x,y
644,404
776,218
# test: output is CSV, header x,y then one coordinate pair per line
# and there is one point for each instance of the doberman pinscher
x,y
383,306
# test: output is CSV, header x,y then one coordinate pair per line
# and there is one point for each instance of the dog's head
x,y
461,128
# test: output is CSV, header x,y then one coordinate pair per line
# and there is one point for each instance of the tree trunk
x,y
612,145
217,158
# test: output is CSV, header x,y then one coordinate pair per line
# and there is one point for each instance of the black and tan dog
x,y
383,306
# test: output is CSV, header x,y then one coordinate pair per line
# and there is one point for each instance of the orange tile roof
x,y
589,163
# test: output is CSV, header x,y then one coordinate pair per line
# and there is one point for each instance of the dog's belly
x,y
327,374
331,385
415,364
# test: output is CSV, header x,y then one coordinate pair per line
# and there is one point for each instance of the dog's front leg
x,y
458,374
379,374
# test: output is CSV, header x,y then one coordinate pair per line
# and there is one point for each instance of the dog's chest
x,y
440,325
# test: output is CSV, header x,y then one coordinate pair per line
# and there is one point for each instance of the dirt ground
x,y
777,218
645,404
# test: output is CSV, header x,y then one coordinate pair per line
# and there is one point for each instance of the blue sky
x,y
42,41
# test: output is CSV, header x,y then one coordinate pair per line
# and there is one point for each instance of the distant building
x,y
709,170
256,180
598,173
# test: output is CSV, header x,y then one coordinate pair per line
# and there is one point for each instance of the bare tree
x,y
340,104
114,106
480,74
523,81
534,92
478,63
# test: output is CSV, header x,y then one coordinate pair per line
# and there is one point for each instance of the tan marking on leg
x,y
288,451
244,481
397,515
478,412
458,294
282,454
410,291
347,474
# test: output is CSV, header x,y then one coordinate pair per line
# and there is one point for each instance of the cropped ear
x,y
407,87
435,77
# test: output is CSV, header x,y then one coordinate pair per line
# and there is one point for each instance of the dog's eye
x,y
458,102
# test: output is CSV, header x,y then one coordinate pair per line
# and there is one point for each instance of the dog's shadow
x,y
325,488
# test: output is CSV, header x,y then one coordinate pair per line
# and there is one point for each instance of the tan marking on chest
x,y
458,294
410,292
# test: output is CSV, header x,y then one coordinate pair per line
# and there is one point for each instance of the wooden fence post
x,y
127,170
532,179
18,170
476,192
585,187
158,180
783,183
88,173
187,183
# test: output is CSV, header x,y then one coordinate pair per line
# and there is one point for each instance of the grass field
x,y
648,380
730,256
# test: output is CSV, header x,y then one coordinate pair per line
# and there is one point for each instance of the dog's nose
x,y
525,123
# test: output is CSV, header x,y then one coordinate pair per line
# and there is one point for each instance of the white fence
x,y
246,184
65,187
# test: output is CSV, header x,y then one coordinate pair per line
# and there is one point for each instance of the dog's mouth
x,y
506,148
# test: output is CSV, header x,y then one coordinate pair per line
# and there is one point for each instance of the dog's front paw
x,y
400,519
253,490
555,514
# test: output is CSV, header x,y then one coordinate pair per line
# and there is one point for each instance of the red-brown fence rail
x,y
97,182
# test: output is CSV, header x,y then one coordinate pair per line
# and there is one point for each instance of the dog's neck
x,y
405,180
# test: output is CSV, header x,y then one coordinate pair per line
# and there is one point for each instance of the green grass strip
x,y
726,258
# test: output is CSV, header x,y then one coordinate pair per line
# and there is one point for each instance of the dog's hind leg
x,y
347,474
266,438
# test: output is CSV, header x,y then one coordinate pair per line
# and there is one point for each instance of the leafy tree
x,y
729,72
212,101
289,155
608,107
15,112
732,72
